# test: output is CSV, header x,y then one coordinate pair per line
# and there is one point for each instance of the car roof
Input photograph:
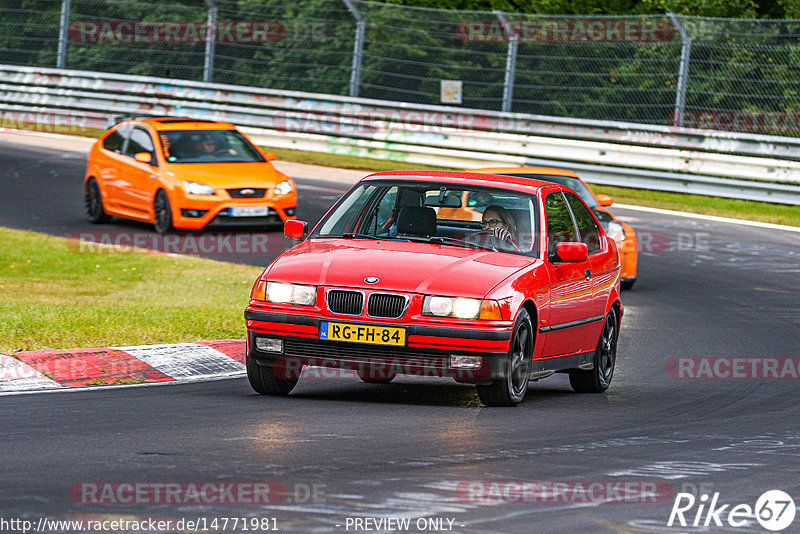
x,y
463,177
526,170
183,123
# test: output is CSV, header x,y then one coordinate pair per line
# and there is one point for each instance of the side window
x,y
586,225
560,227
140,141
116,139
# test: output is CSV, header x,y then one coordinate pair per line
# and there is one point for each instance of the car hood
x,y
399,266
222,175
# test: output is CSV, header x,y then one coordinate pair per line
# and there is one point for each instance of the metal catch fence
x,y
721,74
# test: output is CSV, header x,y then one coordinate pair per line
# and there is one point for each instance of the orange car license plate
x,y
362,333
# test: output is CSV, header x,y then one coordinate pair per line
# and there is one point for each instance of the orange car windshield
x,y
208,146
570,181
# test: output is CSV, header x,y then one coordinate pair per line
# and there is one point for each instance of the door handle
x,y
587,273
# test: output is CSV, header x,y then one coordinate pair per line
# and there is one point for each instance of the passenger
x,y
497,220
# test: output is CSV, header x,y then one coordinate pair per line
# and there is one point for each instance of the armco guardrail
x,y
695,161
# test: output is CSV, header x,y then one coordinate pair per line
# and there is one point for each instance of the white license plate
x,y
249,211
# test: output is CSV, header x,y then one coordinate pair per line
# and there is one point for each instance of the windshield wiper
x,y
458,242
355,235
445,241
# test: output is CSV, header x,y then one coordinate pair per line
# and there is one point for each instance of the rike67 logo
x,y
774,510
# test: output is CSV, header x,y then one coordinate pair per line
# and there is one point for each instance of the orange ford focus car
x,y
184,173
620,231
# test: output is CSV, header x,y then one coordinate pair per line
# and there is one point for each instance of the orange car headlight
x,y
196,188
616,231
284,188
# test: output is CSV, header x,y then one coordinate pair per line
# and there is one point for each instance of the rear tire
x,y
598,379
264,380
93,201
162,213
511,389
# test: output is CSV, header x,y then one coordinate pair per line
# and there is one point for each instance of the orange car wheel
x,y
94,203
163,213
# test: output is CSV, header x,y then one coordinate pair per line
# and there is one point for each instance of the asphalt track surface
x,y
408,449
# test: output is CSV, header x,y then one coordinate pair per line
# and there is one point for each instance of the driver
x,y
206,145
497,220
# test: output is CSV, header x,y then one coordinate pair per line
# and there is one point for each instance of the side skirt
x,y
544,368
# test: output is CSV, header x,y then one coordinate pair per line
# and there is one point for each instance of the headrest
x,y
416,220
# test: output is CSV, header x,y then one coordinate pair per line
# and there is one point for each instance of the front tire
x,y
93,201
511,389
162,213
599,378
265,381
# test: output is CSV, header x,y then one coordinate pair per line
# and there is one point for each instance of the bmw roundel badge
x,y
372,279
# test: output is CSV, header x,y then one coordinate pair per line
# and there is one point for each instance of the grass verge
x,y
347,162
54,296
721,207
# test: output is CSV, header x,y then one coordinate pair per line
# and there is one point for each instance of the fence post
x,y
511,60
61,60
211,39
358,47
683,74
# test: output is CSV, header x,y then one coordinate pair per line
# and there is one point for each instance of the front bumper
x,y
427,351
215,211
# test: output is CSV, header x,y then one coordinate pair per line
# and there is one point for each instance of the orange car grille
x,y
246,192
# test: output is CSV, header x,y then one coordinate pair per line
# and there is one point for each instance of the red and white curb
x,y
66,369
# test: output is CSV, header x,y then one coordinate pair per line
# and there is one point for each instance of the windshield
x,y
570,181
441,213
208,146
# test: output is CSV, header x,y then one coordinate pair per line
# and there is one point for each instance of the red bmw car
x,y
384,285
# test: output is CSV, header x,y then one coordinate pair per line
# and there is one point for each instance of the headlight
x,y
284,188
195,188
280,293
616,231
461,308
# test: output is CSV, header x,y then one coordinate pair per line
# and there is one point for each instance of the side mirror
x,y
294,229
572,252
605,200
144,157
270,156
